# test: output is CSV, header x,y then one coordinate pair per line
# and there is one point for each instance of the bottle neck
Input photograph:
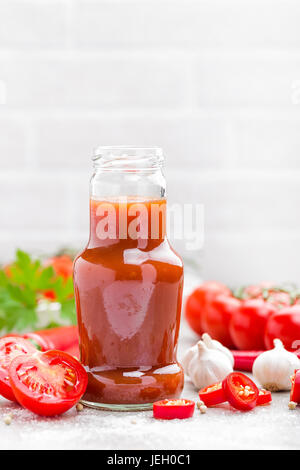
x,y
128,197
127,222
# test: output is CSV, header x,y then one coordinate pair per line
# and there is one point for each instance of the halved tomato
x,y
47,383
240,391
212,395
11,347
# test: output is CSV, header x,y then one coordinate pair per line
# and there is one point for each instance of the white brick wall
x,y
216,83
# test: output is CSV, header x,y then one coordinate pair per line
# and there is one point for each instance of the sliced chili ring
x,y
240,391
212,395
295,390
264,397
173,409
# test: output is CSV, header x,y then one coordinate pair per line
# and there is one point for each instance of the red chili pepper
x,y
61,338
173,409
243,360
264,397
295,391
240,391
73,351
212,395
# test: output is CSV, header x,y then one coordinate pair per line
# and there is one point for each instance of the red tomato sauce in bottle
x,y
128,291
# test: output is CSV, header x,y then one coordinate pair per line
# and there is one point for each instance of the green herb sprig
x,y
22,285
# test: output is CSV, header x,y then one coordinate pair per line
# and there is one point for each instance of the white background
x,y
216,83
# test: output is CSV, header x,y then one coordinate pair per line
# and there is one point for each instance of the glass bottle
x,y
128,285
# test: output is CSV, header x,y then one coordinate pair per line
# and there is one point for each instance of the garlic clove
x,y
208,366
185,361
214,344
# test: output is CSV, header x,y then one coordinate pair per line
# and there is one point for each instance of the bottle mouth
x,y
128,158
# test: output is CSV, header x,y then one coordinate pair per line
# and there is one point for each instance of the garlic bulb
x,y
208,366
214,344
273,368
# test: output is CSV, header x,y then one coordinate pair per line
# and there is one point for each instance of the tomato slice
x,y
11,347
295,390
47,383
212,395
264,397
240,391
173,409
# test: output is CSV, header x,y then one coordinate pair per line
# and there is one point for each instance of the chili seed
x,y
202,409
79,407
292,405
7,419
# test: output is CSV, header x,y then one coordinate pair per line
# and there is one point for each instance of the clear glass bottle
x,y
128,285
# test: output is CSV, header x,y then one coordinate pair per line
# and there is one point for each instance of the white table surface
x,y
267,427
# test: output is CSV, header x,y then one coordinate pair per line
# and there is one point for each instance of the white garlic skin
x,y
214,344
208,366
273,368
185,361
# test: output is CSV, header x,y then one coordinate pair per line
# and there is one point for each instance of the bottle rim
x,y
128,157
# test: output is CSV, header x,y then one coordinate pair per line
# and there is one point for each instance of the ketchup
x,y
128,293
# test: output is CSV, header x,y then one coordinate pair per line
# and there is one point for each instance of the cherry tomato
x,y
240,391
212,395
11,347
173,409
285,325
49,294
255,291
247,325
62,265
197,301
217,315
264,397
295,390
47,383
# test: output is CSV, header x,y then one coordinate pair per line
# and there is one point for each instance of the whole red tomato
x,y
217,316
247,325
285,325
197,301
62,265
